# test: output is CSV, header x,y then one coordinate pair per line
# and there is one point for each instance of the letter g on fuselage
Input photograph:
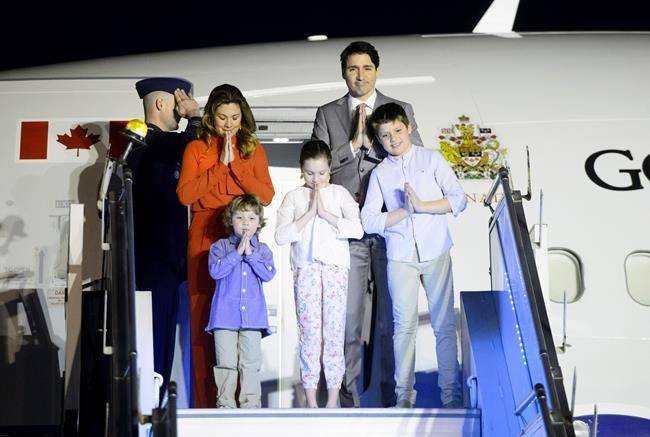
x,y
635,178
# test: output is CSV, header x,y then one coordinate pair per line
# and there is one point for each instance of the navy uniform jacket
x,y
160,221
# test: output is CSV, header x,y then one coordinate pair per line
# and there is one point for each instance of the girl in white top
x,y
317,219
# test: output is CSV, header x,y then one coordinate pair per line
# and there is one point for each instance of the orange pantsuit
x,y
208,186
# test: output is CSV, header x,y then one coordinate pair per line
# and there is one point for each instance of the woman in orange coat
x,y
225,161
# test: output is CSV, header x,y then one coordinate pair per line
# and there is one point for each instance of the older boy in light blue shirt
x,y
418,188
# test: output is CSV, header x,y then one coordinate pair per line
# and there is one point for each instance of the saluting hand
x,y
186,106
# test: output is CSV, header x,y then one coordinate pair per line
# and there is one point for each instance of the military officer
x,y
160,221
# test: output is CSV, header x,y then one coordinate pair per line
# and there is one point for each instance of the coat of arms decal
x,y
472,151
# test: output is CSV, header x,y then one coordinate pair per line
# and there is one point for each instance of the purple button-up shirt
x,y
238,301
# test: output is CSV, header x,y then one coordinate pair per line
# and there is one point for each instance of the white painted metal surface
x,y
300,422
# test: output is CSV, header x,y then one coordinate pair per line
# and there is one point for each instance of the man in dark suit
x,y
342,125
160,221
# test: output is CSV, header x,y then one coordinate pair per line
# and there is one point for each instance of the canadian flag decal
x,y
66,140
79,138
33,140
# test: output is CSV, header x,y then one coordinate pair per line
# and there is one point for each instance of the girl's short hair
x,y
244,202
315,149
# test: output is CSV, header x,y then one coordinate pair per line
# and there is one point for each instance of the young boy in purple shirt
x,y
238,318
418,188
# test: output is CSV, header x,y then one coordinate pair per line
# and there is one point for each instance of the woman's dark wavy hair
x,y
222,95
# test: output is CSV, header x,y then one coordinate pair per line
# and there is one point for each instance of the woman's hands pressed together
x,y
228,152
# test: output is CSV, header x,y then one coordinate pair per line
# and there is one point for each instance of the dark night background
x,y
35,34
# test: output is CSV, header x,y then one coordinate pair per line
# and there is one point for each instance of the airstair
x,y
512,379
513,382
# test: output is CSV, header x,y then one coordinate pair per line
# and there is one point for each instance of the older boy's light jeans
x,y
404,279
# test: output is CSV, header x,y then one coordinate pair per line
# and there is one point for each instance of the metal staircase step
x,y
268,422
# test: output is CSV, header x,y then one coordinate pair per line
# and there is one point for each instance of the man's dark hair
x,y
359,48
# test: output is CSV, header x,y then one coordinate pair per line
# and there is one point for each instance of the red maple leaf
x,y
78,139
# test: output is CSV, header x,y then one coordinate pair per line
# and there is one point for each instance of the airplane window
x,y
637,276
565,274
